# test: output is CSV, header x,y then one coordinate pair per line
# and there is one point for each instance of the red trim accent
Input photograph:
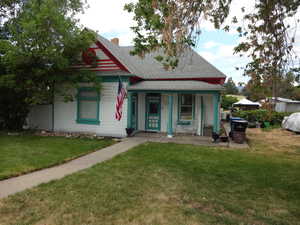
x,y
109,63
99,66
108,53
135,79
104,60
88,56
108,67
211,80
105,70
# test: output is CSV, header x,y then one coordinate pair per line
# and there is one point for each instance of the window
x,y
186,107
88,106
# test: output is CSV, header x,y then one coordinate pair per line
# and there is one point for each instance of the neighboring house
x,y
286,105
186,99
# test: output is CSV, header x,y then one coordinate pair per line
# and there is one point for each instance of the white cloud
x,y
109,18
210,44
223,58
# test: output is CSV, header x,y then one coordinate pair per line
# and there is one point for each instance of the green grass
x,y
25,153
271,127
167,184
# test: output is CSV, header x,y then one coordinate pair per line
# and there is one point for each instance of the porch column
x,y
129,110
170,116
216,106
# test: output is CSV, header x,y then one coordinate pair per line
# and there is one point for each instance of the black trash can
x,y
238,130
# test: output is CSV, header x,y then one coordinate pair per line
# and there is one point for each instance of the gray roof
x,y
175,85
191,64
286,100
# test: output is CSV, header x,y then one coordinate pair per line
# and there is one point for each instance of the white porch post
x,y
170,116
129,110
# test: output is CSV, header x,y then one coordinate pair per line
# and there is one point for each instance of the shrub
x,y
227,101
13,109
262,115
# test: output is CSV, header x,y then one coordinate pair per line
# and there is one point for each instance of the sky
x,y
216,46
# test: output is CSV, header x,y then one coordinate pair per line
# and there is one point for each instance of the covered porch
x,y
174,107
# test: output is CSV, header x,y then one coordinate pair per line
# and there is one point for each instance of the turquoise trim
x,y
113,78
129,110
216,102
185,122
147,126
202,116
134,120
89,121
170,115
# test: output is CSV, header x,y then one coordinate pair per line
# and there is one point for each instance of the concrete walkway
x,y
17,184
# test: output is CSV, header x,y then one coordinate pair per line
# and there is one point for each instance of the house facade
x,y
184,100
286,105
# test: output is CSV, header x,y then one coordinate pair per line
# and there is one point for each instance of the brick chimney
x,y
115,41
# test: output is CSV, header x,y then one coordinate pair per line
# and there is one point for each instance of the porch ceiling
x,y
174,85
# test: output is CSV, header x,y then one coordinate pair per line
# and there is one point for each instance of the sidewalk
x,y
17,184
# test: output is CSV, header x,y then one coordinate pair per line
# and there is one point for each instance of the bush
x,y
13,109
227,101
261,115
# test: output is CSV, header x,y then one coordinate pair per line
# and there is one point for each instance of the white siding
x,y
209,110
280,107
287,107
65,115
141,111
292,107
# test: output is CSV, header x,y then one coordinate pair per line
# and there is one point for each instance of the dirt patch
x,y
276,140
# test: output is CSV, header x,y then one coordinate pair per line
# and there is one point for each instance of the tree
x,y
260,89
230,87
175,25
227,101
40,42
256,90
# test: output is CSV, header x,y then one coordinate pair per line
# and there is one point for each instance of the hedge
x,y
261,115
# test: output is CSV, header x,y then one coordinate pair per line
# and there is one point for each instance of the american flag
x,y
120,99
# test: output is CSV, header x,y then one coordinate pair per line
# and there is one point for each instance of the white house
x,y
286,105
186,99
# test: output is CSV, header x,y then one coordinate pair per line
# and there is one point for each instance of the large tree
x,y
230,87
40,42
176,24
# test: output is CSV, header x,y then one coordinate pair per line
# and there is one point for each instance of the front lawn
x,y
25,153
167,184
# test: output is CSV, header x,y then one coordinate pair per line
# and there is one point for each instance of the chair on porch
x,y
187,127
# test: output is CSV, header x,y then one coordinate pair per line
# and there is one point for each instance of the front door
x,y
153,112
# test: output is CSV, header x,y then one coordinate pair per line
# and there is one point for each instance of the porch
x,y
174,107
179,138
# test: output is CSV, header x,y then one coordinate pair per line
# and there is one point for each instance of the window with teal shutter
x,y
88,100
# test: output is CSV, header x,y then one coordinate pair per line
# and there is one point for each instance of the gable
x,y
105,60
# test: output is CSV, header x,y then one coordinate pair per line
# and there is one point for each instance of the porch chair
x,y
187,127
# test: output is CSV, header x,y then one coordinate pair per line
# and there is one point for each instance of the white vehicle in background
x,y
292,122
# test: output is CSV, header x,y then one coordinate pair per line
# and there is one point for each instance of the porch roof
x,y
174,85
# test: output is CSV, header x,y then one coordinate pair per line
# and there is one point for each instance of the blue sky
x,y
216,46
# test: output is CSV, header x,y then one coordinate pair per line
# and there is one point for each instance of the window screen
x,y
186,106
